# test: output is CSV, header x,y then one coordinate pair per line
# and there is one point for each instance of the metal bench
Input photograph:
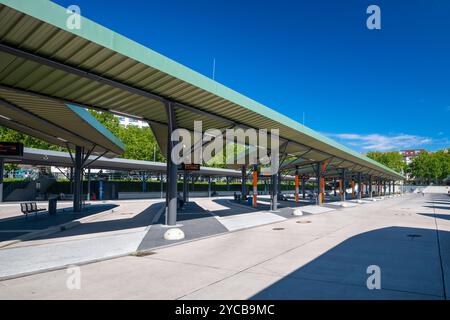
x,y
30,207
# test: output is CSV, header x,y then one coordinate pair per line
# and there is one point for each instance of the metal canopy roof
x,y
62,159
98,68
69,126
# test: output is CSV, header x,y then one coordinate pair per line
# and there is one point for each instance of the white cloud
x,y
382,142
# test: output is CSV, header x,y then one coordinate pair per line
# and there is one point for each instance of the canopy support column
x,y
244,182
370,186
77,180
209,186
161,184
274,191
171,189
296,185
185,186
344,186
317,186
360,186
323,166
353,187
334,186
2,168
89,185
279,191
303,188
255,186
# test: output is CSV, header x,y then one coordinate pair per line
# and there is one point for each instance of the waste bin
x,y
52,205
249,201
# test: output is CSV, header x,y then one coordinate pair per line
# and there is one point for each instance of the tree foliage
x,y
393,160
140,143
9,135
425,168
430,167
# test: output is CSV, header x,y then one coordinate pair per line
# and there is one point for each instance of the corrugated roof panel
x,y
69,123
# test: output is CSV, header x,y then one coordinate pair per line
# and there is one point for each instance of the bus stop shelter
x,y
97,68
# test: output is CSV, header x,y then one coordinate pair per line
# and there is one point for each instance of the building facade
x,y
410,154
124,121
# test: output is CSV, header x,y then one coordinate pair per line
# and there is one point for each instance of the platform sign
x,y
190,167
11,149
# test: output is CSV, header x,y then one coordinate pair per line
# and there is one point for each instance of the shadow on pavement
x,y
438,207
407,257
142,219
436,215
11,228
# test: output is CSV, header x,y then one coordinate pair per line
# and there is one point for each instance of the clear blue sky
x,y
370,89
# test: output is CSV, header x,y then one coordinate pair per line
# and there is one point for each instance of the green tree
x,y
140,143
392,160
9,135
430,167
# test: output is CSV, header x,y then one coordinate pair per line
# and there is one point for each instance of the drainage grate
x,y
304,221
278,229
143,253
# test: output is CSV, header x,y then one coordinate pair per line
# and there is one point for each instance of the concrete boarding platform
x,y
248,220
340,204
313,209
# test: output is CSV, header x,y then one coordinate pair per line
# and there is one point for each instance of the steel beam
x,y
78,71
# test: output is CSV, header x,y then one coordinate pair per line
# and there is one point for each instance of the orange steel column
x,y
255,186
340,187
322,183
296,187
322,188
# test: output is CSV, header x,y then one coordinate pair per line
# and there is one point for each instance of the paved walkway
x,y
323,256
13,226
118,231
